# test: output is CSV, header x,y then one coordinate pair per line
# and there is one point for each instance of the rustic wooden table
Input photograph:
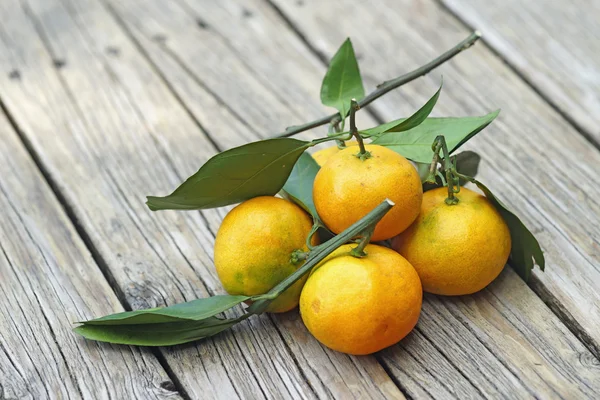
x,y
105,101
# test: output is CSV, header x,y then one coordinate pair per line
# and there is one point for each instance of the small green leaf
x,y
299,186
163,334
405,124
342,81
525,251
194,310
415,144
254,169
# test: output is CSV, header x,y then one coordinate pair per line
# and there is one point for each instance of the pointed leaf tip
x,y
342,81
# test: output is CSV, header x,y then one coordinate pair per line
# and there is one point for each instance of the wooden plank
x,y
258,39
48,280
553,44
178,30
109,131
532,157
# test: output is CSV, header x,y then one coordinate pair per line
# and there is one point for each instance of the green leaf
x,y
342,81
194,310
163,334
299,186
405,124
254,169
525,251
415,144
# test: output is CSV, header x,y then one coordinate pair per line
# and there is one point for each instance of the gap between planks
x,y
561,323
510,65
89,245
536,286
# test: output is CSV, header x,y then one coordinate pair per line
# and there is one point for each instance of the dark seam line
x,y
293,356
127,33
439,350
66,208
395,380
468,355
148,241
564,315
392,362
205,87
37,370
569,374
12,266
187,8
489,350
218,350
320,55
41,252
354,361
11,362
544,217
285,345
553,105
114,182
52,333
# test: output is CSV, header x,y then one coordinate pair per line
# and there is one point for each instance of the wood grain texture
x,y
533,159
498,356
109,131
48,281
553,44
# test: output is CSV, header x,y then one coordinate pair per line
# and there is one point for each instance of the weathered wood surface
x,y
536,161
265,43
48,280
120,99
103,121
553,44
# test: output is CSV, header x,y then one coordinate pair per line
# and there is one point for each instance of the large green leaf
x,y
525,251
194,310
299,186
254,169
415,144
163,334
405,124
342,81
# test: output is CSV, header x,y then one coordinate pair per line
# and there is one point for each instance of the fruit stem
x,y
363,154
318,253
388,86
434,162
316,225
359,251
450,171
298,255
334,129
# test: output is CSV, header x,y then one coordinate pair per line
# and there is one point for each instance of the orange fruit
x,y
361,305
254,245
346,188
323,155
456,249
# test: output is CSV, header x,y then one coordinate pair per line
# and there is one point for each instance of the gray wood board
x,y
532,158
553,44
48,281
105,125
176,38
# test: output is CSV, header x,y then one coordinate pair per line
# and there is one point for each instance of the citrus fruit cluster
x,y
359,302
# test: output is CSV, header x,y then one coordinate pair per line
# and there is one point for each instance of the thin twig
x,y
387,86
354,107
